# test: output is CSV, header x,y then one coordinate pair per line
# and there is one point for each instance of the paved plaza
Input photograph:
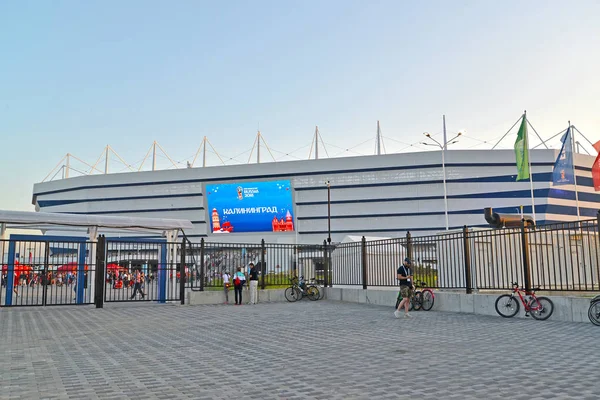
x,y
304,350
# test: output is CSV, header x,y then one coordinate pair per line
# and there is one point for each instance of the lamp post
x,y
442,148
328,212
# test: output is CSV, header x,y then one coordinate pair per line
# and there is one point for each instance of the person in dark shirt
x,y
139,278
253,284
406,287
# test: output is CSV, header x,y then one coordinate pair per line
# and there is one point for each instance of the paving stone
x,y
304,350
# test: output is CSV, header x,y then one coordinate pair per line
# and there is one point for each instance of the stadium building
x,y
291,202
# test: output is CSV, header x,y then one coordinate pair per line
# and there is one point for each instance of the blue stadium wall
x,y
384,195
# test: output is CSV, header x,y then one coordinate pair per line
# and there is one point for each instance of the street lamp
x,y
328,212
442,148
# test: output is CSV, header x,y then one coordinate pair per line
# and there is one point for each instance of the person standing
x,y
406,288
253,284
138,284
238,284
16,283
226,279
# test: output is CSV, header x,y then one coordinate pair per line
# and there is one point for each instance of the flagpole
x,y
574,170
530,171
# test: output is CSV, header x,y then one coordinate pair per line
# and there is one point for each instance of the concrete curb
x,y
566,308
218,296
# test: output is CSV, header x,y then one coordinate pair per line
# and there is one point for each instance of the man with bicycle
x,y
406,287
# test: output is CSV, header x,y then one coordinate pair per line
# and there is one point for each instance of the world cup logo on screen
x,y
240,193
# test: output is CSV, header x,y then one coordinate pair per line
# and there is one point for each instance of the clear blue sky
x,y
78,75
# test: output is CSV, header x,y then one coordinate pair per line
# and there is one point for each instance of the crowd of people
x,y
38,278
120,279
239,281
31,279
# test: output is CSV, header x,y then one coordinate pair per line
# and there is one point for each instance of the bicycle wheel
x,y
416,301
292,294
541,308
507,306
398,300
313,293
428,299
594,313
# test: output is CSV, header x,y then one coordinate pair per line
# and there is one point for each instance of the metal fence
x,y
45,270
276,263
556,257
159,274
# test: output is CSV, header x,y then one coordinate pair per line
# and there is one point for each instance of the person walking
x,y
226,279
138,285
406,288
238,284
253,284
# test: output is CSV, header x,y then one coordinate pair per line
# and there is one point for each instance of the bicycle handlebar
x,y
516,286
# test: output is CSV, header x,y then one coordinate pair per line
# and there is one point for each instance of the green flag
x,y
521,151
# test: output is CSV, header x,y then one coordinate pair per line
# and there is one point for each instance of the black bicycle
x,y
421,299
594,311
299,289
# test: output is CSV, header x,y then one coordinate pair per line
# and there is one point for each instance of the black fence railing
x,y
557,257
152,265
44,273
277,263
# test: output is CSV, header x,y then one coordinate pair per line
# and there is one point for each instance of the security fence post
x,y
363,252
100,271
45,280
526,258
325,264
330,263
182,272
467,256
409,246
263,266
202,264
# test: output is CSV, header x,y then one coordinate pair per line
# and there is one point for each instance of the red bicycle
x,y
422,299
540,307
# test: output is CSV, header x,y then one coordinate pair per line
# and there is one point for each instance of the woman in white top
x,y
238,282
226,286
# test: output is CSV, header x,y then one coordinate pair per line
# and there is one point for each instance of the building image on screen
x,y
250,207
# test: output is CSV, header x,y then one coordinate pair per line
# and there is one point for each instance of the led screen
x,y
250,207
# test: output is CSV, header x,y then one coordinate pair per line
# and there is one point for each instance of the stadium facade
x,y
287,201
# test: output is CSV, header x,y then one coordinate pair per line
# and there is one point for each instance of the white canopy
x,y
45,221
353,238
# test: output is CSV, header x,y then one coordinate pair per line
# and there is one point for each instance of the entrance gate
x,y
61,270
46,270
156,261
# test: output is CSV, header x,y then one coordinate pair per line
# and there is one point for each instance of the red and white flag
x,y
596,168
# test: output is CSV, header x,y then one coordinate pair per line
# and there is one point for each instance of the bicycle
x,y
320,287
416,301
423,299
507,306
299,289
594,311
